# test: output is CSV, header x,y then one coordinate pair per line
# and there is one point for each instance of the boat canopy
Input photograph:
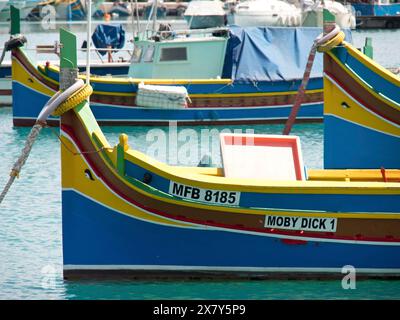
x,y
271,53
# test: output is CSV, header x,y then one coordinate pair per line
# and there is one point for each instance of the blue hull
x,y
373,148
111,114
97,238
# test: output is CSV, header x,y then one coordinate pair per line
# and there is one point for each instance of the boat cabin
x,y
179,58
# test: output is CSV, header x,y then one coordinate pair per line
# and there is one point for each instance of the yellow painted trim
x,y
82,184
126,81
371,64
97,190
211,95
116,80
355,113
353,174
21,75
260,186
43,74
313,174
191,179
256,94
183,175
358,80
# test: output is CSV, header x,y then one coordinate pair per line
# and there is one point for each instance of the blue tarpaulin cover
x,y
271,53
107,35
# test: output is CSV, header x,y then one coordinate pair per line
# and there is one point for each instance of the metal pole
x,y
155,4
137,18
89,32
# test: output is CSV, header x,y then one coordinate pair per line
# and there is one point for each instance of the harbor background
x,y
30,216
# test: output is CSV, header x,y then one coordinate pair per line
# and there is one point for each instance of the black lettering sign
x,y
195,193
188,191
177,189
271,220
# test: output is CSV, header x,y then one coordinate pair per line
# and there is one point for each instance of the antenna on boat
x,y
89,31
135,13
152,15
155,4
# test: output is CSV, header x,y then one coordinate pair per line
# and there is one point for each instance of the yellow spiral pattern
x,y
75,99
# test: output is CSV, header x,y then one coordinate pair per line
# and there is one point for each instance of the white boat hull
x,y
259,20
203,22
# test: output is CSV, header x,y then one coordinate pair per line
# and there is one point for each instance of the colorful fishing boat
x,y
100,67
241,76
126,214
361,112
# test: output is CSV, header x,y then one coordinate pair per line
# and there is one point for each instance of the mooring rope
x,y
322,43
61,102
22,158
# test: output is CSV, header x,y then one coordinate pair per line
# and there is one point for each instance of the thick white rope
x,y
49,107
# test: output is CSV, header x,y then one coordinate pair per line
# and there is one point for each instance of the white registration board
x,y
212,196
319,224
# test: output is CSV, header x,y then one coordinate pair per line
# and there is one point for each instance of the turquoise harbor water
x,y
30,220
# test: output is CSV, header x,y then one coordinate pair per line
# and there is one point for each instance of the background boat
x,y
157,6
25,6
237,83
377,14
361,112
290,13
202,14
265,13
313,14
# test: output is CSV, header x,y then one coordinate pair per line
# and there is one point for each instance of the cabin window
x,y
173,54
148,54
137,54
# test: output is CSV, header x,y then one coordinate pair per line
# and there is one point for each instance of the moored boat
x,y
105,44
361,111
126,214
100,69
25,7
266,13
228,78
201,14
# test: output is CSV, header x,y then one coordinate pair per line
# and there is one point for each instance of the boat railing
x,y
51,49
185,32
